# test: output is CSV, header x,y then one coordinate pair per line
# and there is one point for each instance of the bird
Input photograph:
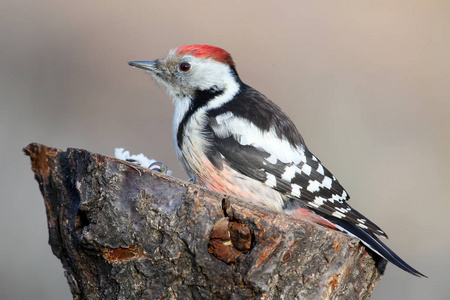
x,y
234,140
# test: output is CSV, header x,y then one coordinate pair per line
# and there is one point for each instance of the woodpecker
x,y
234,140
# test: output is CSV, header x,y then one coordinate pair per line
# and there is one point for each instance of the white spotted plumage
x,y
234,140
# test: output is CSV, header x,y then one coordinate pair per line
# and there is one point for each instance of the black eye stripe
x,y
185,67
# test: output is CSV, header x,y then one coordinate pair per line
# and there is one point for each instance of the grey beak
x,y
150,65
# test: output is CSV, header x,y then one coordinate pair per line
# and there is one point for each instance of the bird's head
x,y
188,69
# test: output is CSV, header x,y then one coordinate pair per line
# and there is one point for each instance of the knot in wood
x,y
228,240
240,235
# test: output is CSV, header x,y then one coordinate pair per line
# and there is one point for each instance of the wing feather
x,y
261,150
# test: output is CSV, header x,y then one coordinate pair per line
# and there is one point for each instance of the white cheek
x,y
207,73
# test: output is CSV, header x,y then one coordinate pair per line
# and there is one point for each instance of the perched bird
x,y
234,140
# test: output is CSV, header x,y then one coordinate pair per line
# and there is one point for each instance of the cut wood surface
x,y
124,232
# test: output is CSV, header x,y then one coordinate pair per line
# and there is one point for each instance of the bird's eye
x,y
185,67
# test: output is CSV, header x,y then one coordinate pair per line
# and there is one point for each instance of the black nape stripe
x,y
201,98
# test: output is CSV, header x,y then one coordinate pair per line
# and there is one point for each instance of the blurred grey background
x,y
367,84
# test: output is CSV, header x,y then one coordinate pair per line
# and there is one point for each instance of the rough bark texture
x,y
123,232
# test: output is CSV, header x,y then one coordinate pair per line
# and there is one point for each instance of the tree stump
x,y
124,232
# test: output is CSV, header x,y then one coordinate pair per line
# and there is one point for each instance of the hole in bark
x,y
81,219
224,207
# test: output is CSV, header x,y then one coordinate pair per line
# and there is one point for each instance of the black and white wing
x,y
252,135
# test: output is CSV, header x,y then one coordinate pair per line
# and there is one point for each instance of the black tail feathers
x,y
381,251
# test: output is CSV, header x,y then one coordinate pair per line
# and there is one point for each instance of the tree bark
x,y
124,232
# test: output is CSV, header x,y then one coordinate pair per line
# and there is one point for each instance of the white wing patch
x,y
272,159
336,197
320,169
289,173
319,201
271,180
313,186
326,183
306,169
224,117
296,190
344,193
247,133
